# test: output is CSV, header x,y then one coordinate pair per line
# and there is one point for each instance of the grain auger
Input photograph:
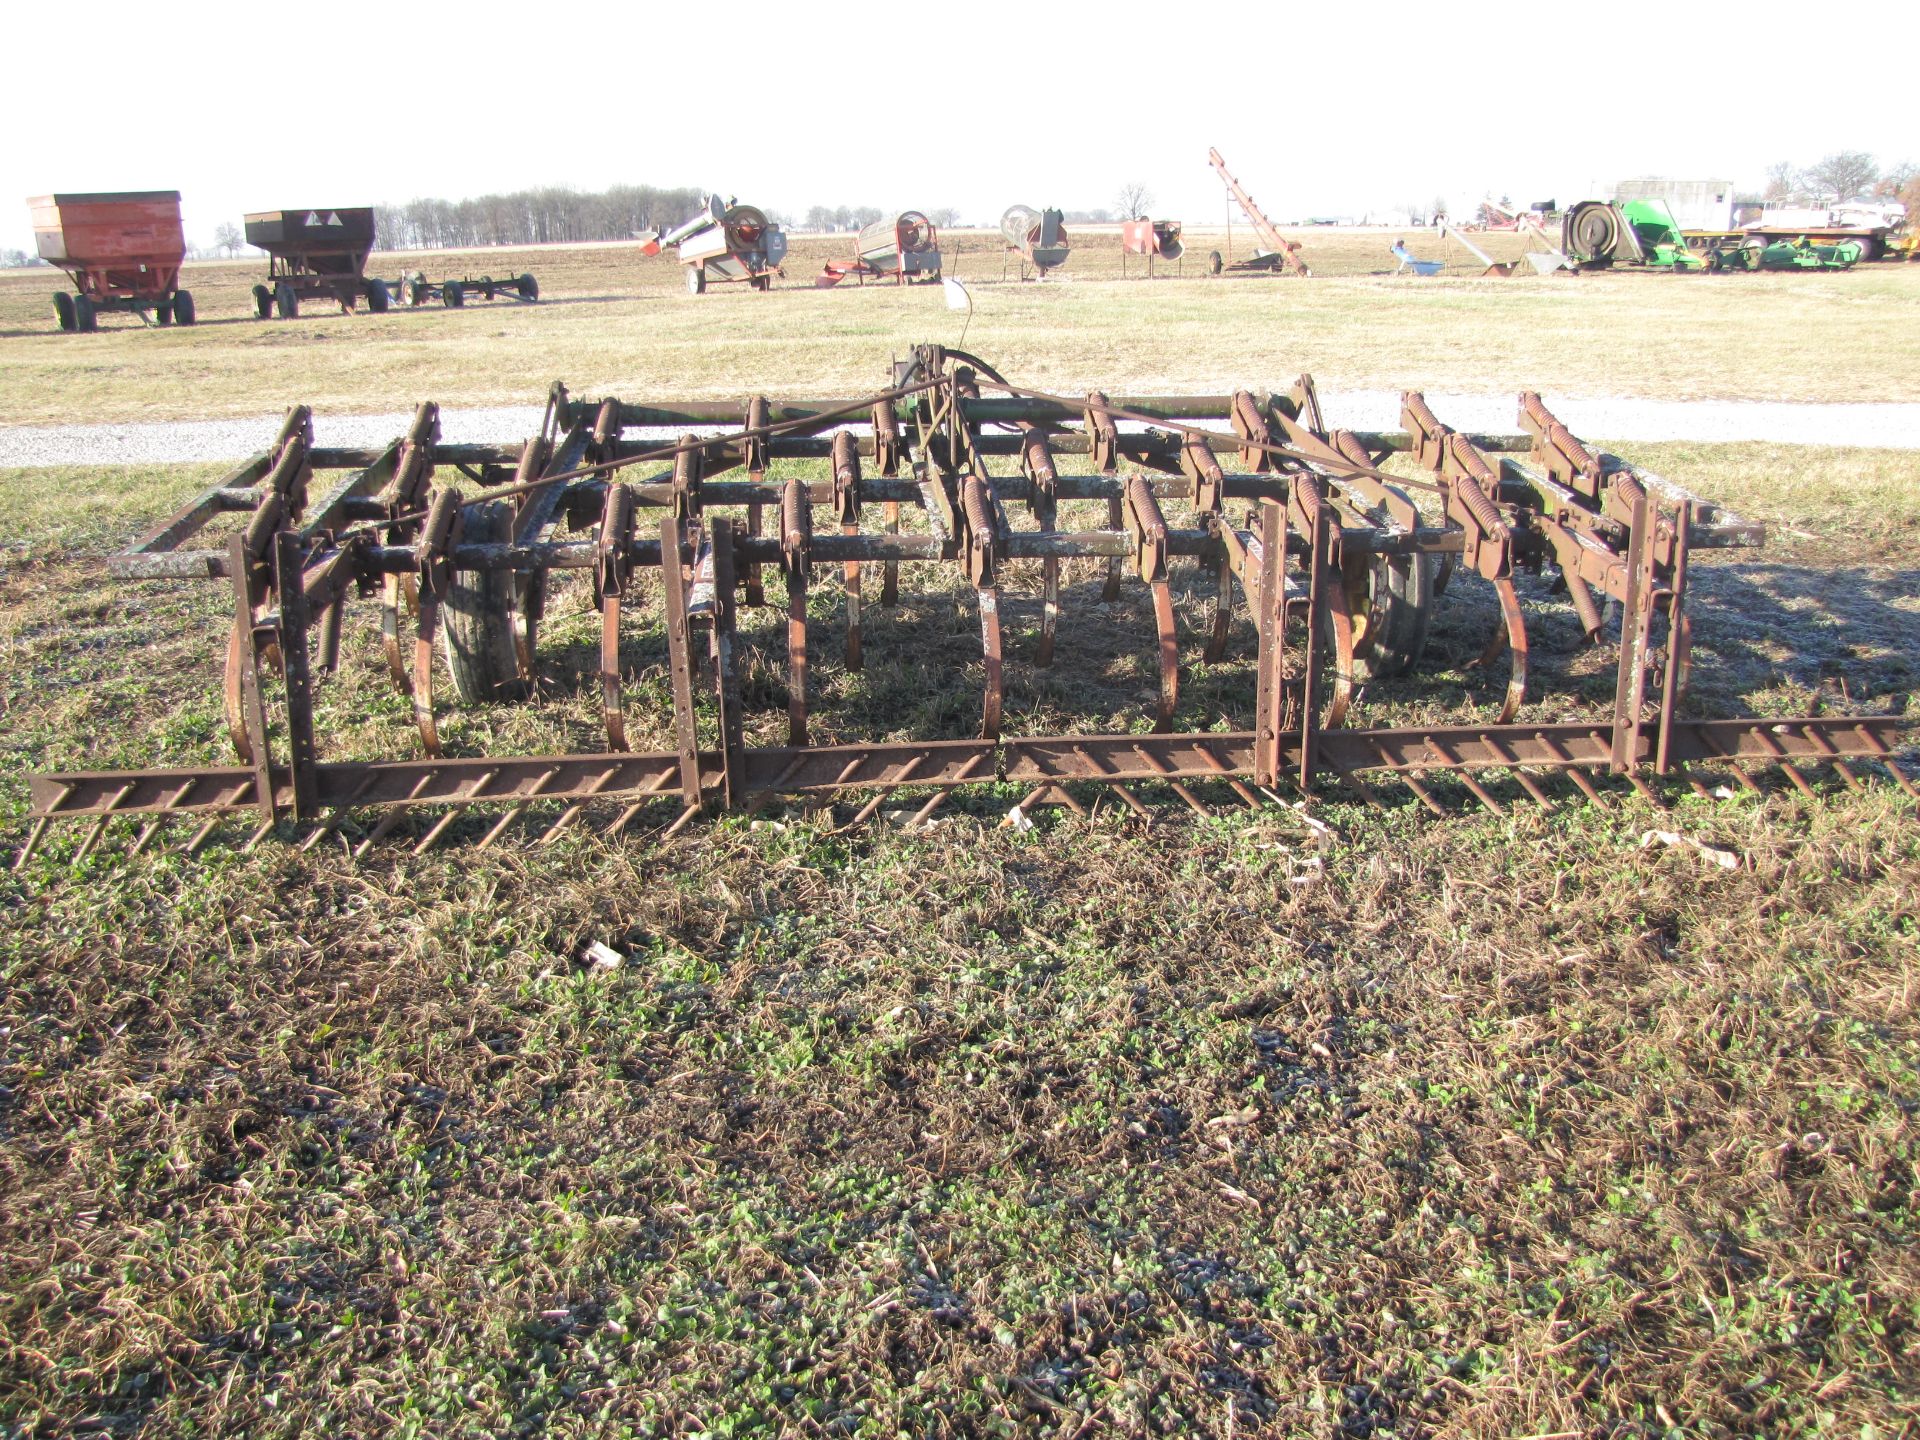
x,y
1094,502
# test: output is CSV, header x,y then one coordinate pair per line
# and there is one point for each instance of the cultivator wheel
x,y
1339,564
1391,599
490,617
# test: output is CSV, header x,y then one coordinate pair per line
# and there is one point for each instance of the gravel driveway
x,y
1888,426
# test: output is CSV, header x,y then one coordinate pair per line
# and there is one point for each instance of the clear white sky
x,y
1335,109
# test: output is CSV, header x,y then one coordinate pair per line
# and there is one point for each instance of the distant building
x,y
1696,204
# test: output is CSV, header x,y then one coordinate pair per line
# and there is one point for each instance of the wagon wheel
x,y
485,612
262,302
377,297
163,310
453,294
696,280
527,288
85,318
183,313
1214,262
486,287
63,309
286,301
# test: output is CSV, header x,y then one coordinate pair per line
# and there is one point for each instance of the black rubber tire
x,y
1401,590
163,311
453,294
183,312
1214,263
262,302
416,293
286,302
377,297
85,318
486,287
476,624
696,280
527,287
63,309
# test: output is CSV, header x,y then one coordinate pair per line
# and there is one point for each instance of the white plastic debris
x,y
603,957
1725,859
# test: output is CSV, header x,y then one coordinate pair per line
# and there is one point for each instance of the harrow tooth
x,y
98,828
34,837
146,836
626,816
1425,795
1215,764
1533,788
1360,787
1340,569
1148,759
435,831
381,829
200,836
890,783
1647,792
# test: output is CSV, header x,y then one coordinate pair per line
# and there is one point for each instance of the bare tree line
x,y
549,215
1835,179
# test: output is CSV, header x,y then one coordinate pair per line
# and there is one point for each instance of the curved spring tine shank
x,y
1036,461
796,539
438,535
1513,639
612,576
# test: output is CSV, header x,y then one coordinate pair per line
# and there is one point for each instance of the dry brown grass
x,y
616,322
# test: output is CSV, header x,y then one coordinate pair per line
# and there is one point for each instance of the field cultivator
x,y
904,248
1339,569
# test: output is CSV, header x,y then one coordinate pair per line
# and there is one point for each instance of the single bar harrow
x,y
1340,570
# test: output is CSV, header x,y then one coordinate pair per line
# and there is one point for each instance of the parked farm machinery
x,y
1600,234
1155,239
727,242
903,248
1037,237
999,491
121,249
315,255
1642,234
1275,252
453,294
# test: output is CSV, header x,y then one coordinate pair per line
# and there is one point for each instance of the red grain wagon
x,y
122,250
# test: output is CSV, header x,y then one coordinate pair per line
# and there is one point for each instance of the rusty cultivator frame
x,y
1340,569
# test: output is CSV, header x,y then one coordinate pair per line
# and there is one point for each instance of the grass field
x,y
1492,1126
614,322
